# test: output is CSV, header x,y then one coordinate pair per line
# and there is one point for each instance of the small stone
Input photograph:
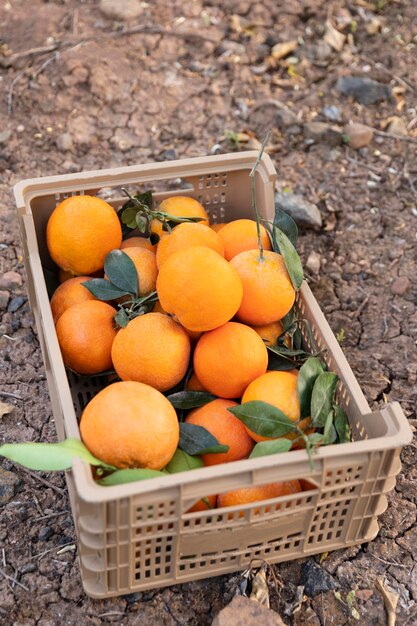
x,y
358,135
5,136
4,299
400,286
126,10
302,211
15,304
321,131
245,612
315,579
283,49
20,128
288,122
8,484
397,126
364,594
10,281
64,142
70,166
313,262
364,90
333,113
28,568
45,533
131,598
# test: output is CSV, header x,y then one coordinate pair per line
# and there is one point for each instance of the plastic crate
x,y
139,536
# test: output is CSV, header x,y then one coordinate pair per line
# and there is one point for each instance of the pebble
x,y
16,303
321,131
288,122
126,10
397,126
333,113
359,135
8,484
315,579
364,594
5,136
20,128
10,281
400,286
313,262
302,211
45,533
246,612
64,142
28,568
4,299
364,90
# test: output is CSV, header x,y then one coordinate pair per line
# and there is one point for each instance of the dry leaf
x,y
332,37
281,50
260,591
5,408
390,600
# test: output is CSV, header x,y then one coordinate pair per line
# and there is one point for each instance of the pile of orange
x,y
220,303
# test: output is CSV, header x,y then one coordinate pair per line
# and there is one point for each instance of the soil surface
x,y
92,95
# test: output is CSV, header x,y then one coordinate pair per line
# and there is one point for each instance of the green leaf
x,y
291,259
128,215
48,457
183,462
307,376
322,398
263,419
341,424
275,446
190,399
315,439
120,477
102,289
121,271
280,363
144,198
288,320
142,221
197,440
284,222
329,434
121,318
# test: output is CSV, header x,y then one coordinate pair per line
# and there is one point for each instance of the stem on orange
x,y
254,205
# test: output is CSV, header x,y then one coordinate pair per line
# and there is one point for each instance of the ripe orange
x,y
200,288
246,495
187,235
268,293
241,235
225,427
129,424
180,206
145,263
194,384
85,334
201,505
270,332
80,232
152,349
138,242
276,388
228,358
68,294
193,335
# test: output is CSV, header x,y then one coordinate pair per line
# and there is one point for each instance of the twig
x,y
7,394
41,554
388,562
38,506
10,92
13,580
38,519
3,556
360,307
254,205
377,170
43,481
383,133
111,614
44,65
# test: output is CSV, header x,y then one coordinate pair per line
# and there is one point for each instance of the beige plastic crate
x,y
139,536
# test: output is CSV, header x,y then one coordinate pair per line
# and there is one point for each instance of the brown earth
x,y
115,99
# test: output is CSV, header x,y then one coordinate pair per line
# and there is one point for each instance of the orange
x,y
185,236
138,242
129,424
68,294
152,349
200,288
180,206
201,505
194,336
270,332
268,293
194,384
225,427
80,232
278,389
217,227
241,235
145,264
246,495
228,358
85,334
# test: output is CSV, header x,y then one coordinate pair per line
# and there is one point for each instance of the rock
x,y
5,136
245,612
4,299
358,135
287,121
283,49
364,594
28,568
321,131
45,533
313,262
364,90
400,286
8,484
302,211
10,281
397,126
315,579
126,10
64,142
332,113
319,53
15,304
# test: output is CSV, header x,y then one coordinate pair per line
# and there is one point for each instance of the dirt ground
x,y
115,99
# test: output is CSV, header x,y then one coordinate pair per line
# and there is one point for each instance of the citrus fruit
x,y
68,294
138,242
268,293
193,335
241,235
228,358
270,332
185,236
85,334
204,504
200,288
217,227
145,263
246,495
194,384
180,206
276,388
80,232
225,427
129,424
152,349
